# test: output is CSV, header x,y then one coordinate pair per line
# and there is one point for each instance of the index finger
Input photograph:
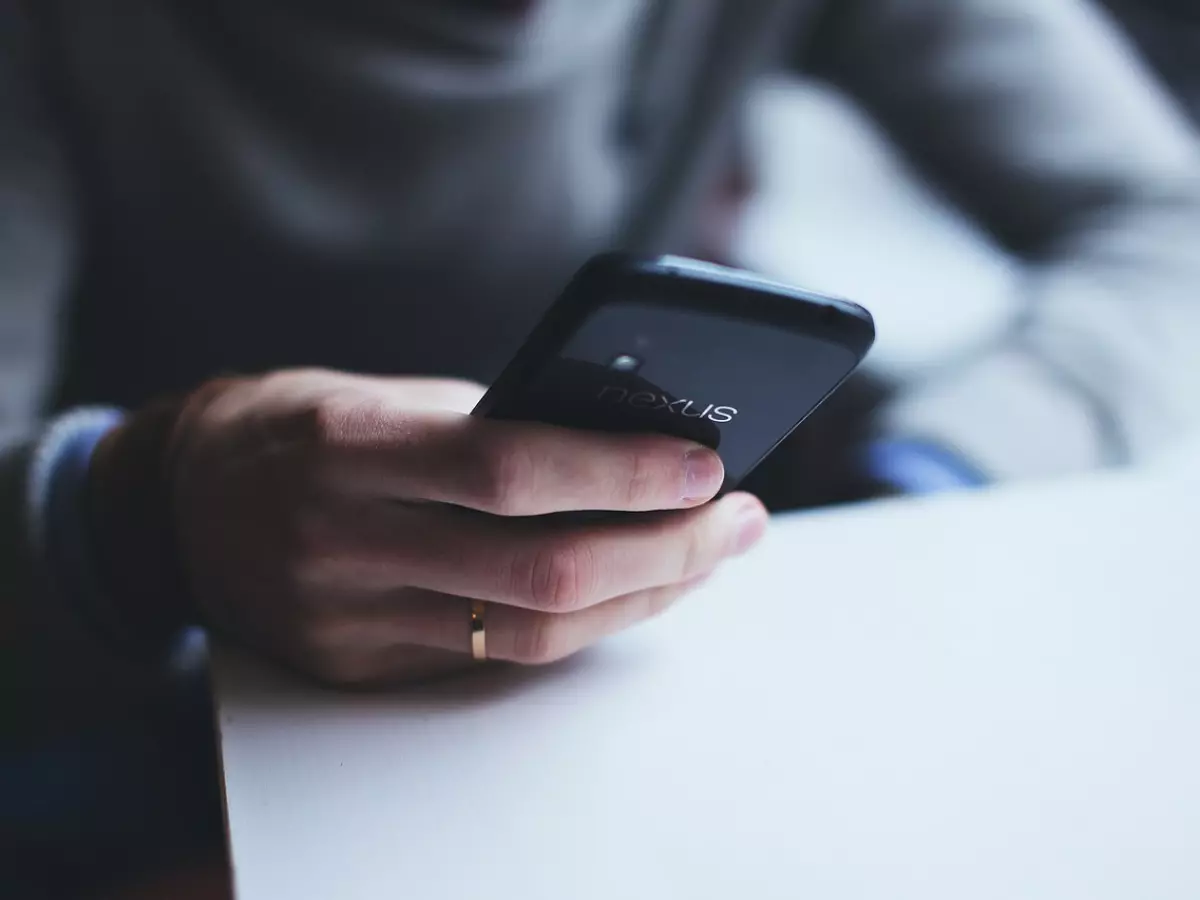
x,y
526,469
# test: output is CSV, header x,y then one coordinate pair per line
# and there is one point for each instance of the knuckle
x,y
306,543
315,628
538,642
291,446
323,421
642,485
506,478
322,640
333,418
560,577
697,551
319,554
314,635
341,671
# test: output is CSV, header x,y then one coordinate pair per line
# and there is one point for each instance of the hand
x,y
341,524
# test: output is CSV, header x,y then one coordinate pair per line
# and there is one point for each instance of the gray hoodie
x,y
197,188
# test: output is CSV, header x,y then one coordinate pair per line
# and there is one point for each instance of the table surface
x,y
993,695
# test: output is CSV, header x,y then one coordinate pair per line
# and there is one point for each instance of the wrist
x,y
128,509
914,466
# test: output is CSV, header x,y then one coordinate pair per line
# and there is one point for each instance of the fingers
x,y
446,394
349,393
529,563
530,637
410,438
428,634
517,469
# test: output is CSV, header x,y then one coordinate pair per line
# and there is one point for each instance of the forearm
x,y
1102,369
1037,119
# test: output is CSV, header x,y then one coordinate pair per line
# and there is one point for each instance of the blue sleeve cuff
x,y
919,467
58,507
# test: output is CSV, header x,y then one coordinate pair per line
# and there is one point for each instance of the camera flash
x,y
625,363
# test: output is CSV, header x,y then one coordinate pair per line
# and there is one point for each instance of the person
x,y
258,255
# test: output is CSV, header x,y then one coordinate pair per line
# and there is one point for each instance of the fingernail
x,y
751,527
703,475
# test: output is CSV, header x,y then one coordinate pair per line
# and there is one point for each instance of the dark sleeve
x,y
1038,120
54,670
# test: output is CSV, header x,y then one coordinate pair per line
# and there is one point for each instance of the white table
x,y
988,696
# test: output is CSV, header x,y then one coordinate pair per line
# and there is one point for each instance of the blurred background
x,y
839,209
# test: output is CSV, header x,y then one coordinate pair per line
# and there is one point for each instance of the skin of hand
x,y
343,525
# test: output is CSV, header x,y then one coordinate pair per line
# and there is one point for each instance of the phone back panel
x,y
632,364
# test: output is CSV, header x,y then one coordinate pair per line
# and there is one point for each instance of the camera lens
x,y
625,363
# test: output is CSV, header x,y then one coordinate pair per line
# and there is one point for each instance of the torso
x,y
399,190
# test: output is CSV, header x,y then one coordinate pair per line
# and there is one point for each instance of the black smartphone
x,y
671,345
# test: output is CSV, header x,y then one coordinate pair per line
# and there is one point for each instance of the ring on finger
x,y
478,632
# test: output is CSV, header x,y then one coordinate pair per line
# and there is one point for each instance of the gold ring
x,y
478,634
